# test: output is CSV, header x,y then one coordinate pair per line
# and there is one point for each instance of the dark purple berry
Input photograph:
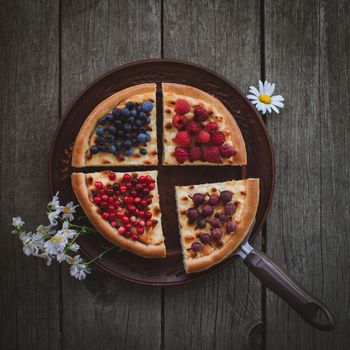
x,y
198,199
216,234
207,210
214,222
201,223
192,214
214,199
231,226
226,196
196,246
221,216
205,238
230,208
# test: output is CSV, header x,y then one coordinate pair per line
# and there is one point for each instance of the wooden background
x,y
51,49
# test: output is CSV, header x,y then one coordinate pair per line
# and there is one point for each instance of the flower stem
x,y
101,255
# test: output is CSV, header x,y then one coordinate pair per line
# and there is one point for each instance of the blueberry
x,y
143,116
135,142
138,122
112,129
109,138
128,152
130,105
118,143
141,137
130,120
143,151
148,120
110,117
118,124
111,149
133,113
148,138
116,112
100,131
147,106
93,149
139,109
120,133
125,112
127,127
101,148
100,140
127,144
102,120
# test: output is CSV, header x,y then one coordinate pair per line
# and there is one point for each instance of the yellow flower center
x,y
66,210
56,239
265,99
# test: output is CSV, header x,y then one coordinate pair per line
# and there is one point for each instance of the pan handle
x,y
281,283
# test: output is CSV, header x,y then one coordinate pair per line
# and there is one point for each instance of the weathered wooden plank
x,y
104,312
307,55
224,311
29,112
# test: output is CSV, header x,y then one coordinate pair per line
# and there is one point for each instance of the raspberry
x,y
218,138
182,106
193,127
212,154
203,137
179,122
195,153
200,114
211,127
227,151
181,154
183,138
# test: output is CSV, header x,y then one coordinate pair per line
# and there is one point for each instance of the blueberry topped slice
x,y
123,129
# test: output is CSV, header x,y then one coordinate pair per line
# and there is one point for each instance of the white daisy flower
x,y
66,231
32,243
56,244
68,211
78,268
53,216
263,99
45,256
17,222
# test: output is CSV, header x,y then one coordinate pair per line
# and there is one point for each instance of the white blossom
x,y
74,247
78,268
263,99
56,244
32,243
68,211
17,222
45,256
66,231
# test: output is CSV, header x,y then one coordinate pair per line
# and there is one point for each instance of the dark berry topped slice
x,y
124,131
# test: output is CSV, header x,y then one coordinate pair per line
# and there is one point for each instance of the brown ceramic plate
x,y
168,271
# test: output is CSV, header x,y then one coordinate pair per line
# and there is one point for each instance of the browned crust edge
x,y
81,144
81,191
236,135
248,215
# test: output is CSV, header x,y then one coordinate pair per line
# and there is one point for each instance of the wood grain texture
x,y
307,55
224,311
105,312
28,83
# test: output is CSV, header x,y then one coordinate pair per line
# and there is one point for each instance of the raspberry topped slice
x,y
198,129
124,208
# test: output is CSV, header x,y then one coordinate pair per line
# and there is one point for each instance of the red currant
x,y
101,192
141,223
116,203
133,193
112,176
128,185
142,178
113,223
110,192
104,204
143,203
123,189
97,200
134,237
140,230
137,200
125,219
111,216
126,177
105,215
141,213
121,230
148,201
128,226
151,186
119,214
128,234
110,200
149,223
149,179
148,215
98,184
